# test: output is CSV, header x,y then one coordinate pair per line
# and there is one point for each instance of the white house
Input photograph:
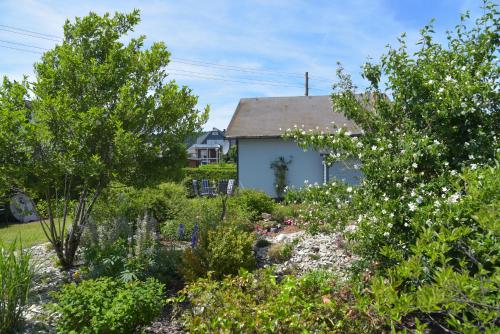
x,y
258,125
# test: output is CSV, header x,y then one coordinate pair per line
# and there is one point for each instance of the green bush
x,y
222,251
203,211
281,212
449,279
254,201
206,211
258,303
105,305
16,277
213,173
164,201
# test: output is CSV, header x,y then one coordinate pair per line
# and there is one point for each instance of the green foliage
x,y
101,110
212,172
127,250
254,201
450,277
426,214
105,305
280,167
163,202
257,303
202,211
222,251
16,277
279,253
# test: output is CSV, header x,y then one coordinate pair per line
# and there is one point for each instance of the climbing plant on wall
x,y
280,167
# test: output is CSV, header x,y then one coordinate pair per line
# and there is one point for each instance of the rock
x,y
266,216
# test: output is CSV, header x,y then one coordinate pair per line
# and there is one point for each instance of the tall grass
x,y
16,277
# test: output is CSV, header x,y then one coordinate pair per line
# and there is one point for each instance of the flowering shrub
x,y
424,217
441,118
447,282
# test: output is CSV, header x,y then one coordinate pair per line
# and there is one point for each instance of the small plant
x,y
16,277
106,305
281,252
222,251
253,201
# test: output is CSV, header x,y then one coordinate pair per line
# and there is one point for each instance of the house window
x,y
215,133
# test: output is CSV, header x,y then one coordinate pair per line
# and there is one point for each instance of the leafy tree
x,y
101,110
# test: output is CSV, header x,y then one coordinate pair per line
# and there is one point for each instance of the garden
x,y
130,248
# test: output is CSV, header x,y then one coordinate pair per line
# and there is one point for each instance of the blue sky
x,y
259,47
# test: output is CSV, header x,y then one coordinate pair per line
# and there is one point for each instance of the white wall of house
x,y
256,155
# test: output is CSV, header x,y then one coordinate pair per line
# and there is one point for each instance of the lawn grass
x,y
29,233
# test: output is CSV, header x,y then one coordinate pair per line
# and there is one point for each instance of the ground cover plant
x,y
16,279
76,136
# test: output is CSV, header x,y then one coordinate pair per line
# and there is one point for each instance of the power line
x,y
250,79
213,77
31,35
21,44
18,49
30,31
198,63
231,67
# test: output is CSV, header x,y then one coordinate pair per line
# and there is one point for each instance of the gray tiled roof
x,y
272,116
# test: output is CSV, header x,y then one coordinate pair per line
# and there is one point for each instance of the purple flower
x,y
194,237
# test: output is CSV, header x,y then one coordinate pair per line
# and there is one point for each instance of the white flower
x,y
446,163
453,172
384,212
349,189
412,206
406,225
448,78
454,198
374,148
440,90
431,82
444,189
414,165
386,234
359,144
398,185
419,200
391,215
473,166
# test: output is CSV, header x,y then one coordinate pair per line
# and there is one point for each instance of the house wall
x,y
256,155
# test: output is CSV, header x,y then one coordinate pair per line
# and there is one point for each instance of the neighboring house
x,y
258,125
207,149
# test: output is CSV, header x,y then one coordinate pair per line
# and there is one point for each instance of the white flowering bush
x,y
424,221
426,117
